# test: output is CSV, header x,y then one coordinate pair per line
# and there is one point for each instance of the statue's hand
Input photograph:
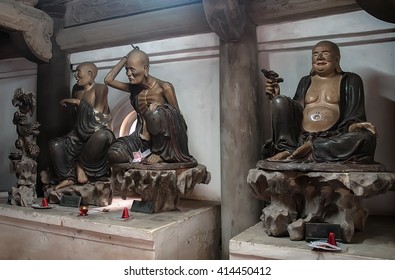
x,y
69,101
153,159
63,102
272,89
272,84
363,126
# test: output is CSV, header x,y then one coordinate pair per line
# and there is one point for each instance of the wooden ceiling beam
x,y
155,25
30,28
273,11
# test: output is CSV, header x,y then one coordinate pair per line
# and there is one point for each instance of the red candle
x,y
331,239
125,213
44,202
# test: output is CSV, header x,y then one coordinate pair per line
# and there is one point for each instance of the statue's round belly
x,y
319,118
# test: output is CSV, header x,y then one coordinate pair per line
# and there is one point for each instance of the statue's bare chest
x,y
323,91
88,96
149,96
321,110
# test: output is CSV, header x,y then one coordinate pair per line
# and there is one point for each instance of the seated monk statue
x,y
161,130
325,121
81,155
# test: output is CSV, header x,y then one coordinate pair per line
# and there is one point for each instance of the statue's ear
x,y
91,75
146,70
338,68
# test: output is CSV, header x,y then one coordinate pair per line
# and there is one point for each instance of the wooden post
x,y
239,115
53,85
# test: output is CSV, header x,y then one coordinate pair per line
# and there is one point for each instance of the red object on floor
x,y
331,239
125,213
84,210
44,202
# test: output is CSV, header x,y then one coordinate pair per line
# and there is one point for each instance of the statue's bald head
x,y
334,47
89,67
140,56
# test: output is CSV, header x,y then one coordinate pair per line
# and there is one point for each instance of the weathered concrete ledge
x,y
60,233
376,242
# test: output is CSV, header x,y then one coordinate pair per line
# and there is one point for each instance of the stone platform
x,y
377,241
191,232
298,193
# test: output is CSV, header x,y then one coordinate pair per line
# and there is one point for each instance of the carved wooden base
x,y
163,187
23,196
25,169
95,193
295,197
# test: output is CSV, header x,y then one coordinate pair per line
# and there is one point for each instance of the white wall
x,y
191,64
14,73
367,47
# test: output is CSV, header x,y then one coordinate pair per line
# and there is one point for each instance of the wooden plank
x,y
162,24
88,11
273,11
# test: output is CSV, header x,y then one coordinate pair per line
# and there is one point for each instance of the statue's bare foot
x,y
280,156
302,152
363,126
153,158
81,175
63,184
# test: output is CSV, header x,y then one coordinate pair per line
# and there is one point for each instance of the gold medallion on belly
x,y
316,116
